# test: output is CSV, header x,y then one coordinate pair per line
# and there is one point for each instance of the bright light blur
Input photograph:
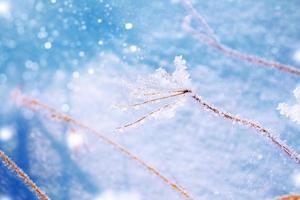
x,y
5,198
4,8
74,140
6,134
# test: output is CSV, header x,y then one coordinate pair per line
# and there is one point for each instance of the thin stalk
x,y
175,94
35,105
254,125
172,94
23,176
144,117
209,38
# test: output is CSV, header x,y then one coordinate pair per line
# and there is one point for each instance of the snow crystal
x,y
133,48
48,45
291,111
100,42
81,54
128,26
161,87
179,79
181,75
296,93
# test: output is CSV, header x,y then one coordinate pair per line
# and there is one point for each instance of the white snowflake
x,y
161,86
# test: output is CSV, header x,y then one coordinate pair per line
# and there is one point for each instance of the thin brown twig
x,y
175,94
172,93
210,39
254,125
23,176
139,120
161,92
35,105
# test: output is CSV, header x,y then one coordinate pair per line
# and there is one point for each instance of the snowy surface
x,y
77,56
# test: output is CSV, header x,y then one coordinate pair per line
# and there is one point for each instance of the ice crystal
x,y
163,83
292,111
160,87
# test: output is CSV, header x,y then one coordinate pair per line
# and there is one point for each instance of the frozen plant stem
x,y
171,94
276,141
143,118
180,79
263,131
35,105
207,36
23,176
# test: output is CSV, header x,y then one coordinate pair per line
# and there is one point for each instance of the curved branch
x,y
209,38
35,105
245,122
23,176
